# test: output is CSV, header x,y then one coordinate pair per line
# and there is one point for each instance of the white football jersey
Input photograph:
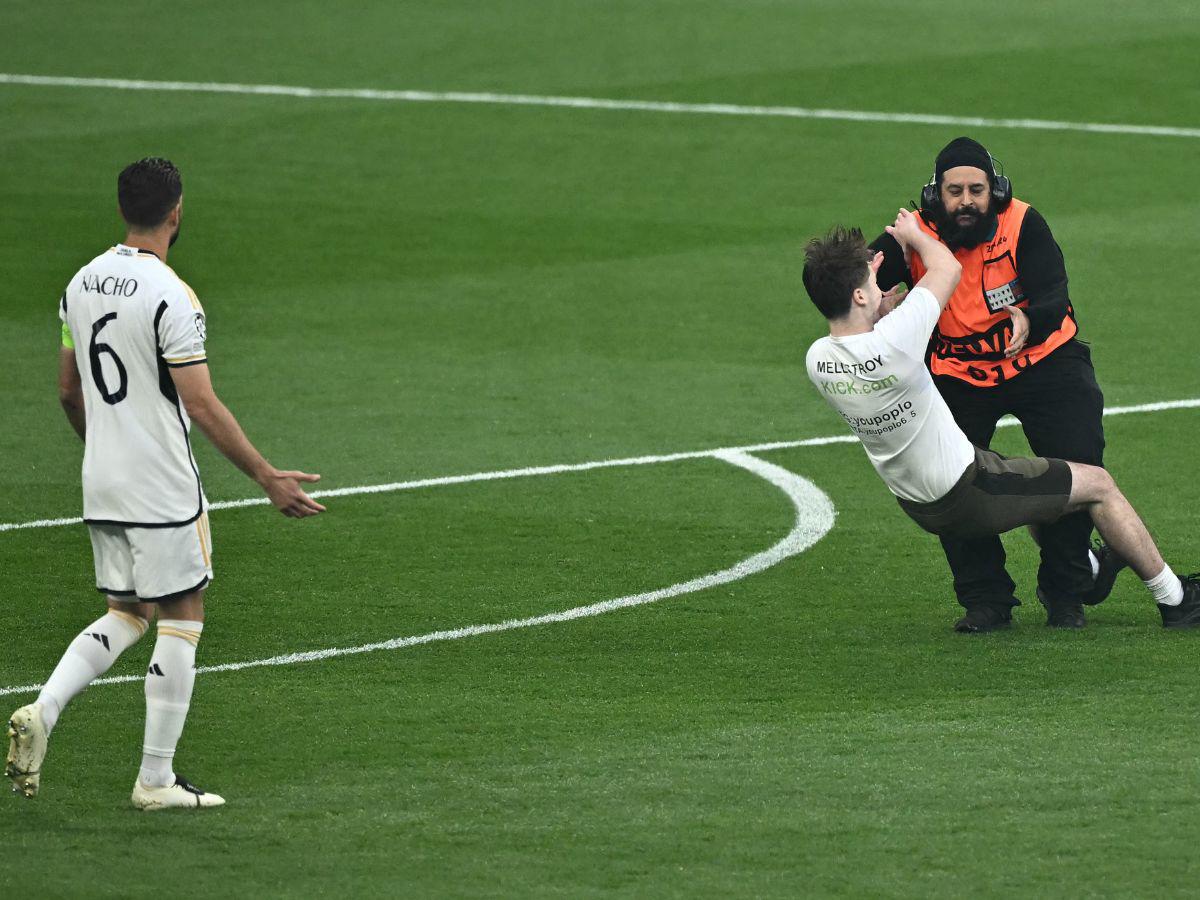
x,y
130,318
878,382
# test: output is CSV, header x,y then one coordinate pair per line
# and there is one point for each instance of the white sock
x,y
1095,561
169,681
1166,587
88,657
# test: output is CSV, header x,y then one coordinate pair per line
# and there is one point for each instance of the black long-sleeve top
x,y
1040,269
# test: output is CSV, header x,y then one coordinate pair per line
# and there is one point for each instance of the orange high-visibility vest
x,y
975,327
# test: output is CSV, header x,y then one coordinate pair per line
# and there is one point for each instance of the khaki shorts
x,y
997,494
152,564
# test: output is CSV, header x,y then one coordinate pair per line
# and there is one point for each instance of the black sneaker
x,y
1110,565
984,617
1062,613
1187,613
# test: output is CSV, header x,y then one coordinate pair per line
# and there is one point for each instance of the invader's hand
x,y
905,229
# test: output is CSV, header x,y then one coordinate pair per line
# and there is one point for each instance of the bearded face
x,y
967,217
966,228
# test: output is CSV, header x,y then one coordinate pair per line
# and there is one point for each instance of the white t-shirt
x,y
130,318
878,382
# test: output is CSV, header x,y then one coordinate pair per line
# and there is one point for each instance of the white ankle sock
x,y
1166,587
169,681
88,657
1095,561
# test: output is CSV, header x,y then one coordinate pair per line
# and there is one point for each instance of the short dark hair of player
x,y
834,266
148,190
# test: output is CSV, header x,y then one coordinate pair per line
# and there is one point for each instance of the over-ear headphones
x,y
931,195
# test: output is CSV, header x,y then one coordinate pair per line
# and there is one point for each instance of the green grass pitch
x,y
398,291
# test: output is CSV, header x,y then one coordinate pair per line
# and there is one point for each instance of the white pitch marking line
x,y
658,106
815,515
587,466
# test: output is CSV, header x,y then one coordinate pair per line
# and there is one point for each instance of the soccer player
x,y
871,369
133,374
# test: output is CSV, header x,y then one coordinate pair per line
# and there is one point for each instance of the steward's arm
x,y
1043,276
894,269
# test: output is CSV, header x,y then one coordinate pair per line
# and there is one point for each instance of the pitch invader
x,y
947,485
133,376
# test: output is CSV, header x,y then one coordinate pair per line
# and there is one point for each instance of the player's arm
x,y
70,391
194,385
942,269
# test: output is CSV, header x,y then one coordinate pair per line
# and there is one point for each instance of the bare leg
x,y
189,607
144,611
1093,489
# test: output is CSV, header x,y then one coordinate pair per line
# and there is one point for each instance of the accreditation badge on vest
x,y
1001,287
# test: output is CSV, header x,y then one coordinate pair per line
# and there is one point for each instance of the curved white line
x,y
1006,422
815,514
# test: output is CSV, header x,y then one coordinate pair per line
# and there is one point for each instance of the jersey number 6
x,y
95,348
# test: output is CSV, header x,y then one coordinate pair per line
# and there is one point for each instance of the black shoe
x,y
984,617
1187,613
1062,613
1110,564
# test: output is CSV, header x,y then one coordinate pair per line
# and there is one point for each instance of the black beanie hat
x,y
962,151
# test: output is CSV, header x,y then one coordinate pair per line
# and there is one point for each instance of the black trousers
x,y
1060,407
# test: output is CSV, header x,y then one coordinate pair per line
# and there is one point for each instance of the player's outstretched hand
x,y
283,488
905,229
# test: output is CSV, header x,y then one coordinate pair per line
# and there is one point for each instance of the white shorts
x,y
152,564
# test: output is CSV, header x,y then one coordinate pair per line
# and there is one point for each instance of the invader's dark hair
x,y
148,190
834,265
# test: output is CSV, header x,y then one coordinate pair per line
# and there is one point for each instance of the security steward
x,y
1006,344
